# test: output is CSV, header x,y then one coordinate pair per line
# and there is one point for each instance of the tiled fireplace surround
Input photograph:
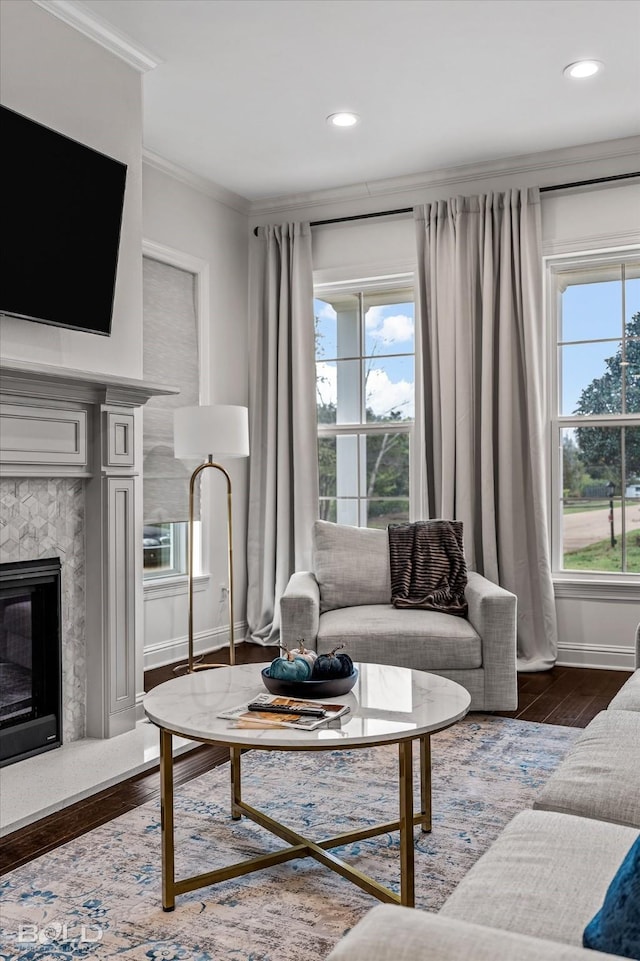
x,y
67,489
44,517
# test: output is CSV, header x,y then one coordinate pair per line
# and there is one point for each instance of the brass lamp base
x,y
193,665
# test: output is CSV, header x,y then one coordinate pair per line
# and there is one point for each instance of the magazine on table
x,y
266,710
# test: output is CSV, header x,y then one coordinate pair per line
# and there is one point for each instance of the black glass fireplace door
x,y
30,659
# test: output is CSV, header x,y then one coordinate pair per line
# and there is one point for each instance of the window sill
x,y
174,585
623,588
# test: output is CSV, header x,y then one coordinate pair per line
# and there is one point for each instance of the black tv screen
x,y
60,216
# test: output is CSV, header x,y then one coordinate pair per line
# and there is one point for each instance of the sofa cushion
x,y
628,697
351,565
600,776
546,875
616,926
391,933
422,640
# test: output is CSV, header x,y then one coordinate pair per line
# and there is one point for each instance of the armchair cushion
x,y
422,640
351,565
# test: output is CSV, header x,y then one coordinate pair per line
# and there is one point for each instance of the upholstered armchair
x,y
347,599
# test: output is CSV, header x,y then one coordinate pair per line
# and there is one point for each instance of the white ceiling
x,y
244,86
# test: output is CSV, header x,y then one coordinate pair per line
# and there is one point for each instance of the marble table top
x,y
387,704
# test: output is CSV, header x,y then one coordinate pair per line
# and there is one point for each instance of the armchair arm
x,y
492,612
300,611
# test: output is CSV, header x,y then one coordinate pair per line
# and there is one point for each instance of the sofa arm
x,y
300,611
390,933
492,612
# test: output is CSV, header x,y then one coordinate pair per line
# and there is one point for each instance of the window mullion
x,y
623,357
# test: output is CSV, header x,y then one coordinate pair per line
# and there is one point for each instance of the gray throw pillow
x,y
351,565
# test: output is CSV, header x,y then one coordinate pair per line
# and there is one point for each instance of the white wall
x,y
56,76
570,221
183,218
588,220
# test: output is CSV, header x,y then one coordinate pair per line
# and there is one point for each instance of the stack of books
x,y
268,710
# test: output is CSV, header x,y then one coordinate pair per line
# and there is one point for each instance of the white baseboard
x,y
602,656
176,648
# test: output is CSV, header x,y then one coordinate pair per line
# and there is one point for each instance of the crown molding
x,y
551,162
76,15
202,184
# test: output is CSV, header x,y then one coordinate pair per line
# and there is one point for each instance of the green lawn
x,y
603,557
579,508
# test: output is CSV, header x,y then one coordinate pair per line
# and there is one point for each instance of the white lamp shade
x,y
220,431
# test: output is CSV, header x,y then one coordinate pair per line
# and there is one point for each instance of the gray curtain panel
x,y
482,326
170,356
283,477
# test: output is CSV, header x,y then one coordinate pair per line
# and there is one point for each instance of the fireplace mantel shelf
x,y
46,382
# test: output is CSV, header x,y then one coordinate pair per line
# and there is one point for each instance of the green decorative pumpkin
x,y
309,656
290,667
332,665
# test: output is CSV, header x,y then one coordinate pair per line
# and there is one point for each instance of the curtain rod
x,y
409,210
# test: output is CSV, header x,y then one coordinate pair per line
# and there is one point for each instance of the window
x,y
596,427
165,548
170,357
365,400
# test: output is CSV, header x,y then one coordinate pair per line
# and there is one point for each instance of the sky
x,y
389,329
591,311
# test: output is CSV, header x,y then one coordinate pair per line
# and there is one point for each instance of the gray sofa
x,y
530,896
346,599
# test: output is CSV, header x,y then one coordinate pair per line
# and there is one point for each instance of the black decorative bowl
x,y
327,687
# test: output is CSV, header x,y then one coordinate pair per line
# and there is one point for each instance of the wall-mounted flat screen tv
x,y
60,216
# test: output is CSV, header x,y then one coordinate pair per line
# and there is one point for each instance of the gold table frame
x,y
300,846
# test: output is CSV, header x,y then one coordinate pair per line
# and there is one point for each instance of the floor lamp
x,y
219,431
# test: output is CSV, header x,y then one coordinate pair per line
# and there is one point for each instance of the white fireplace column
x,y
111,512
64,423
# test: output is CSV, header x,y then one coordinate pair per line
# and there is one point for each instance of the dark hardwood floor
x,y
568,696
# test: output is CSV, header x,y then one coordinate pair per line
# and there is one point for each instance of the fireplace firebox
x,y
30,659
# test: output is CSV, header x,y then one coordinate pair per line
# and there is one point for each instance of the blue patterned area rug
x,y
99,896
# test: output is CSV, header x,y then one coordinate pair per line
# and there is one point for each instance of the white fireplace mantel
x,y
46,382
57,422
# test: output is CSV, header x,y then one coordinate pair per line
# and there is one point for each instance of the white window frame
x,y
174,582
370,286
557,267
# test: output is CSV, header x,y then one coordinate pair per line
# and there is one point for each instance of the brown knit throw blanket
x,y
428,569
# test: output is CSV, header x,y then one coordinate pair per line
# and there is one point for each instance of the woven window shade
x,y
170,356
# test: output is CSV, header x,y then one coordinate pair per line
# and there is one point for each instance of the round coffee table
x,y
388,705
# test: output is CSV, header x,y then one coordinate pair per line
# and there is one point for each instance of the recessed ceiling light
x,y
343,119
582,68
